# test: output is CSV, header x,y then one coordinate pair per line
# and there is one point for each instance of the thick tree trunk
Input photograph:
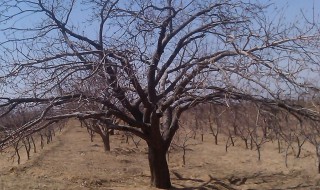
x,y
160,176
318,165
106,141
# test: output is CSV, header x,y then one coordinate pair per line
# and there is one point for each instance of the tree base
x,y
160,176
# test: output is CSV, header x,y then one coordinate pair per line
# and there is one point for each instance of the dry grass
x,y
73,162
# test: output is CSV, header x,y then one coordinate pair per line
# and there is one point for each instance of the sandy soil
x,y
73,162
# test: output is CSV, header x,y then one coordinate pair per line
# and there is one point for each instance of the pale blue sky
x,y
292,8
291,11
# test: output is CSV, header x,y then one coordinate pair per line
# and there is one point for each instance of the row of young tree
x,y
28,144
242,123
143,63
248,123
254,125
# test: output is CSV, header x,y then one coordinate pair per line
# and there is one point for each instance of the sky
x,y
292,8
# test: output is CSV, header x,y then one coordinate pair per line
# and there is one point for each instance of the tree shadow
x,y
212,183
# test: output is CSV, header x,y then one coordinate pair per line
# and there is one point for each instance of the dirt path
x,y
73,162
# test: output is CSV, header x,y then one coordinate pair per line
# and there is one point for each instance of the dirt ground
x,y
73,162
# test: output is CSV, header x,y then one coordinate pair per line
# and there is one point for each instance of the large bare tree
x,y
145,62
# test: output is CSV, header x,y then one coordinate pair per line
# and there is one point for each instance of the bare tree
x,y
102,130
215,119
181,142
147,62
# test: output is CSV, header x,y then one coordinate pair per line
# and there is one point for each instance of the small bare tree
x,y
215,119
181,141
101,129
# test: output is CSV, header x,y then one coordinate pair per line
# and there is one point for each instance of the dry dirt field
x,y
73,162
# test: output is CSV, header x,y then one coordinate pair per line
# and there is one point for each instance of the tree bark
x,y
160,176
318,165
106,141
245,142
279,145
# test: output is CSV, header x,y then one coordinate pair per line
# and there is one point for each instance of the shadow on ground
x,y
212,183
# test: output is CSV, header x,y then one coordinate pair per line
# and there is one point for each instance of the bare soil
x,y
72,161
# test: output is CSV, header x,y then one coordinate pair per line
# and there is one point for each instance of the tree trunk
x,y
106,141
259,152
160,176
318,165
246,143
232,141
235,129
318,155
34,145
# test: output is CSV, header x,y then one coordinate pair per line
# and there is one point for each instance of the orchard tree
x,y
145,62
